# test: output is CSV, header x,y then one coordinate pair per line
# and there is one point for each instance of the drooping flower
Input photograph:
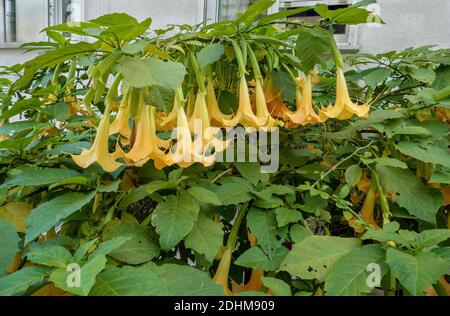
x,y
305,113
366,212
217,117
120,124
275,104
221,276
344,108
99,151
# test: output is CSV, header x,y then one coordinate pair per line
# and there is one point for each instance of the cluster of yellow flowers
x,y
188,144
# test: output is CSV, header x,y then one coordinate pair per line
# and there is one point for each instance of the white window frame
x,y
53,7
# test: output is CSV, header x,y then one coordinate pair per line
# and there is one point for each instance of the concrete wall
x,y
408,22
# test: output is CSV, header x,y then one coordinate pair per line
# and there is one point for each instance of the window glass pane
x,y
10,20
228,9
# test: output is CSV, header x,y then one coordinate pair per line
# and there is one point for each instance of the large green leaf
x,y
50,255
254,10
432,237
18,282
427,153
312,48
278,287
409,192
210,54
349,15
206,237
349,275
53,57
138,72
183,280
204,195
237,191
38,177
9,245
415,272
64,278
128,281
48,214
255,258
175,218
286,216
444,253
315,255
263,225
115,19
139,247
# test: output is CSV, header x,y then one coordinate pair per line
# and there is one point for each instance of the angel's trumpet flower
x,y
99,151
217,117
366,212
147,144
120,124
245,114
305,113
166,122
275,104
221,276
344,108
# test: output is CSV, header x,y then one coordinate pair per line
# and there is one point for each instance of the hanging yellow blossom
x,y
344,108
99,151
305,113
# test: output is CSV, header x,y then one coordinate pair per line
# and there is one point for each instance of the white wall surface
x,y
408,22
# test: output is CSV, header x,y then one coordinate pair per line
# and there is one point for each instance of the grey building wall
x,y
408,22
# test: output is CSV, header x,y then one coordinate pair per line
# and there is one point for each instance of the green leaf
x,y
377,76
9,245
20,126
48,214
255,258
139,73
283,82
353,174
139,247
50,255
161,97
16,213
53,57
237,191
444,253
415,273
128,281
312,48
440,176
349,275
409,192
175,218
299,232
115,19
204,195
250,171
350,15
277,286
183,280
422,74
210,54
40,177
87,276
18,282
315,255
286,216
84,248
432,237
427,153
263,224
385,236
442,78
109,246
254,10
206,237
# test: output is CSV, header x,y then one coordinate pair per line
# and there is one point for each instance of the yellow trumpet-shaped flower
x,y
217,117
166,122
99,151
245,114
120,124
147,144
344,108
275,103
221,276
305,113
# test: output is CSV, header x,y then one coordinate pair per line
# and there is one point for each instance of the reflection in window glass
x,y
228,9
10,20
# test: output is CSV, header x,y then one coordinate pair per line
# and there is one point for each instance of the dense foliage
x,y
90,177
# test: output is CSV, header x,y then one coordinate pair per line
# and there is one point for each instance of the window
x,y
346,36
222,10
22,20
